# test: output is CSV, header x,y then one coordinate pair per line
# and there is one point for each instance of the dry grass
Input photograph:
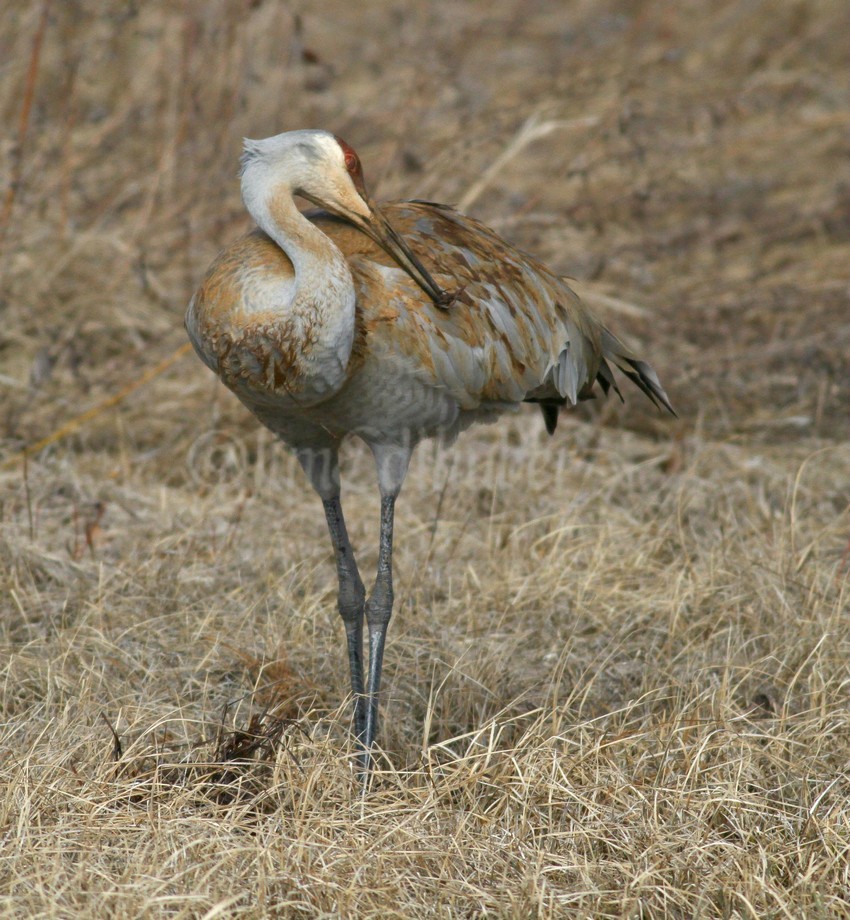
x,y
617,679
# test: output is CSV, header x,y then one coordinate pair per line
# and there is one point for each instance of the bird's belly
x,y
384,408
378,408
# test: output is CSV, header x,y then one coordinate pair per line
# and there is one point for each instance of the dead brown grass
x,y
617,679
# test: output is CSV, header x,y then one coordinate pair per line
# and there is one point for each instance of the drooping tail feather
x,y
639,372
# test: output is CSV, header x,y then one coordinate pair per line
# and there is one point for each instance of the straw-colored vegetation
x,y
617,680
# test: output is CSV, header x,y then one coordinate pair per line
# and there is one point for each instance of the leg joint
x,y
380,606
351,601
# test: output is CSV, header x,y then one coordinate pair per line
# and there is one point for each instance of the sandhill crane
x,y
327,324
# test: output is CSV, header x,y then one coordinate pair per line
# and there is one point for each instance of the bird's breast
x,y
246,326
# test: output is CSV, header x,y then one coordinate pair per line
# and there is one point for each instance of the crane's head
x,y
322,168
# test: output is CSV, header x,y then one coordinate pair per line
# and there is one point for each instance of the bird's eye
x,y
351,161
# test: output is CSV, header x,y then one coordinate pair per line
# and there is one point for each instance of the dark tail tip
x,y
639,372
645,378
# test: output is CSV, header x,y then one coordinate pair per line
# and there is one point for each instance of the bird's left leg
x,y
379,609
392,462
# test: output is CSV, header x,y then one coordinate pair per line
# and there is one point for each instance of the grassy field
x,y
617,679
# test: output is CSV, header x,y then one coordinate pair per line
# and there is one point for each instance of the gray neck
x,y
321,271
321,312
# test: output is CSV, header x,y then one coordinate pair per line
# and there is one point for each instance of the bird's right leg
x,y
352,600
321,464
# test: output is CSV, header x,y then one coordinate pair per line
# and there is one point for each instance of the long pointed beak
x,y
379,229
384,234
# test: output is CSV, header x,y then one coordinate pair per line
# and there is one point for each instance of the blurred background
x,y
688,160
616,676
